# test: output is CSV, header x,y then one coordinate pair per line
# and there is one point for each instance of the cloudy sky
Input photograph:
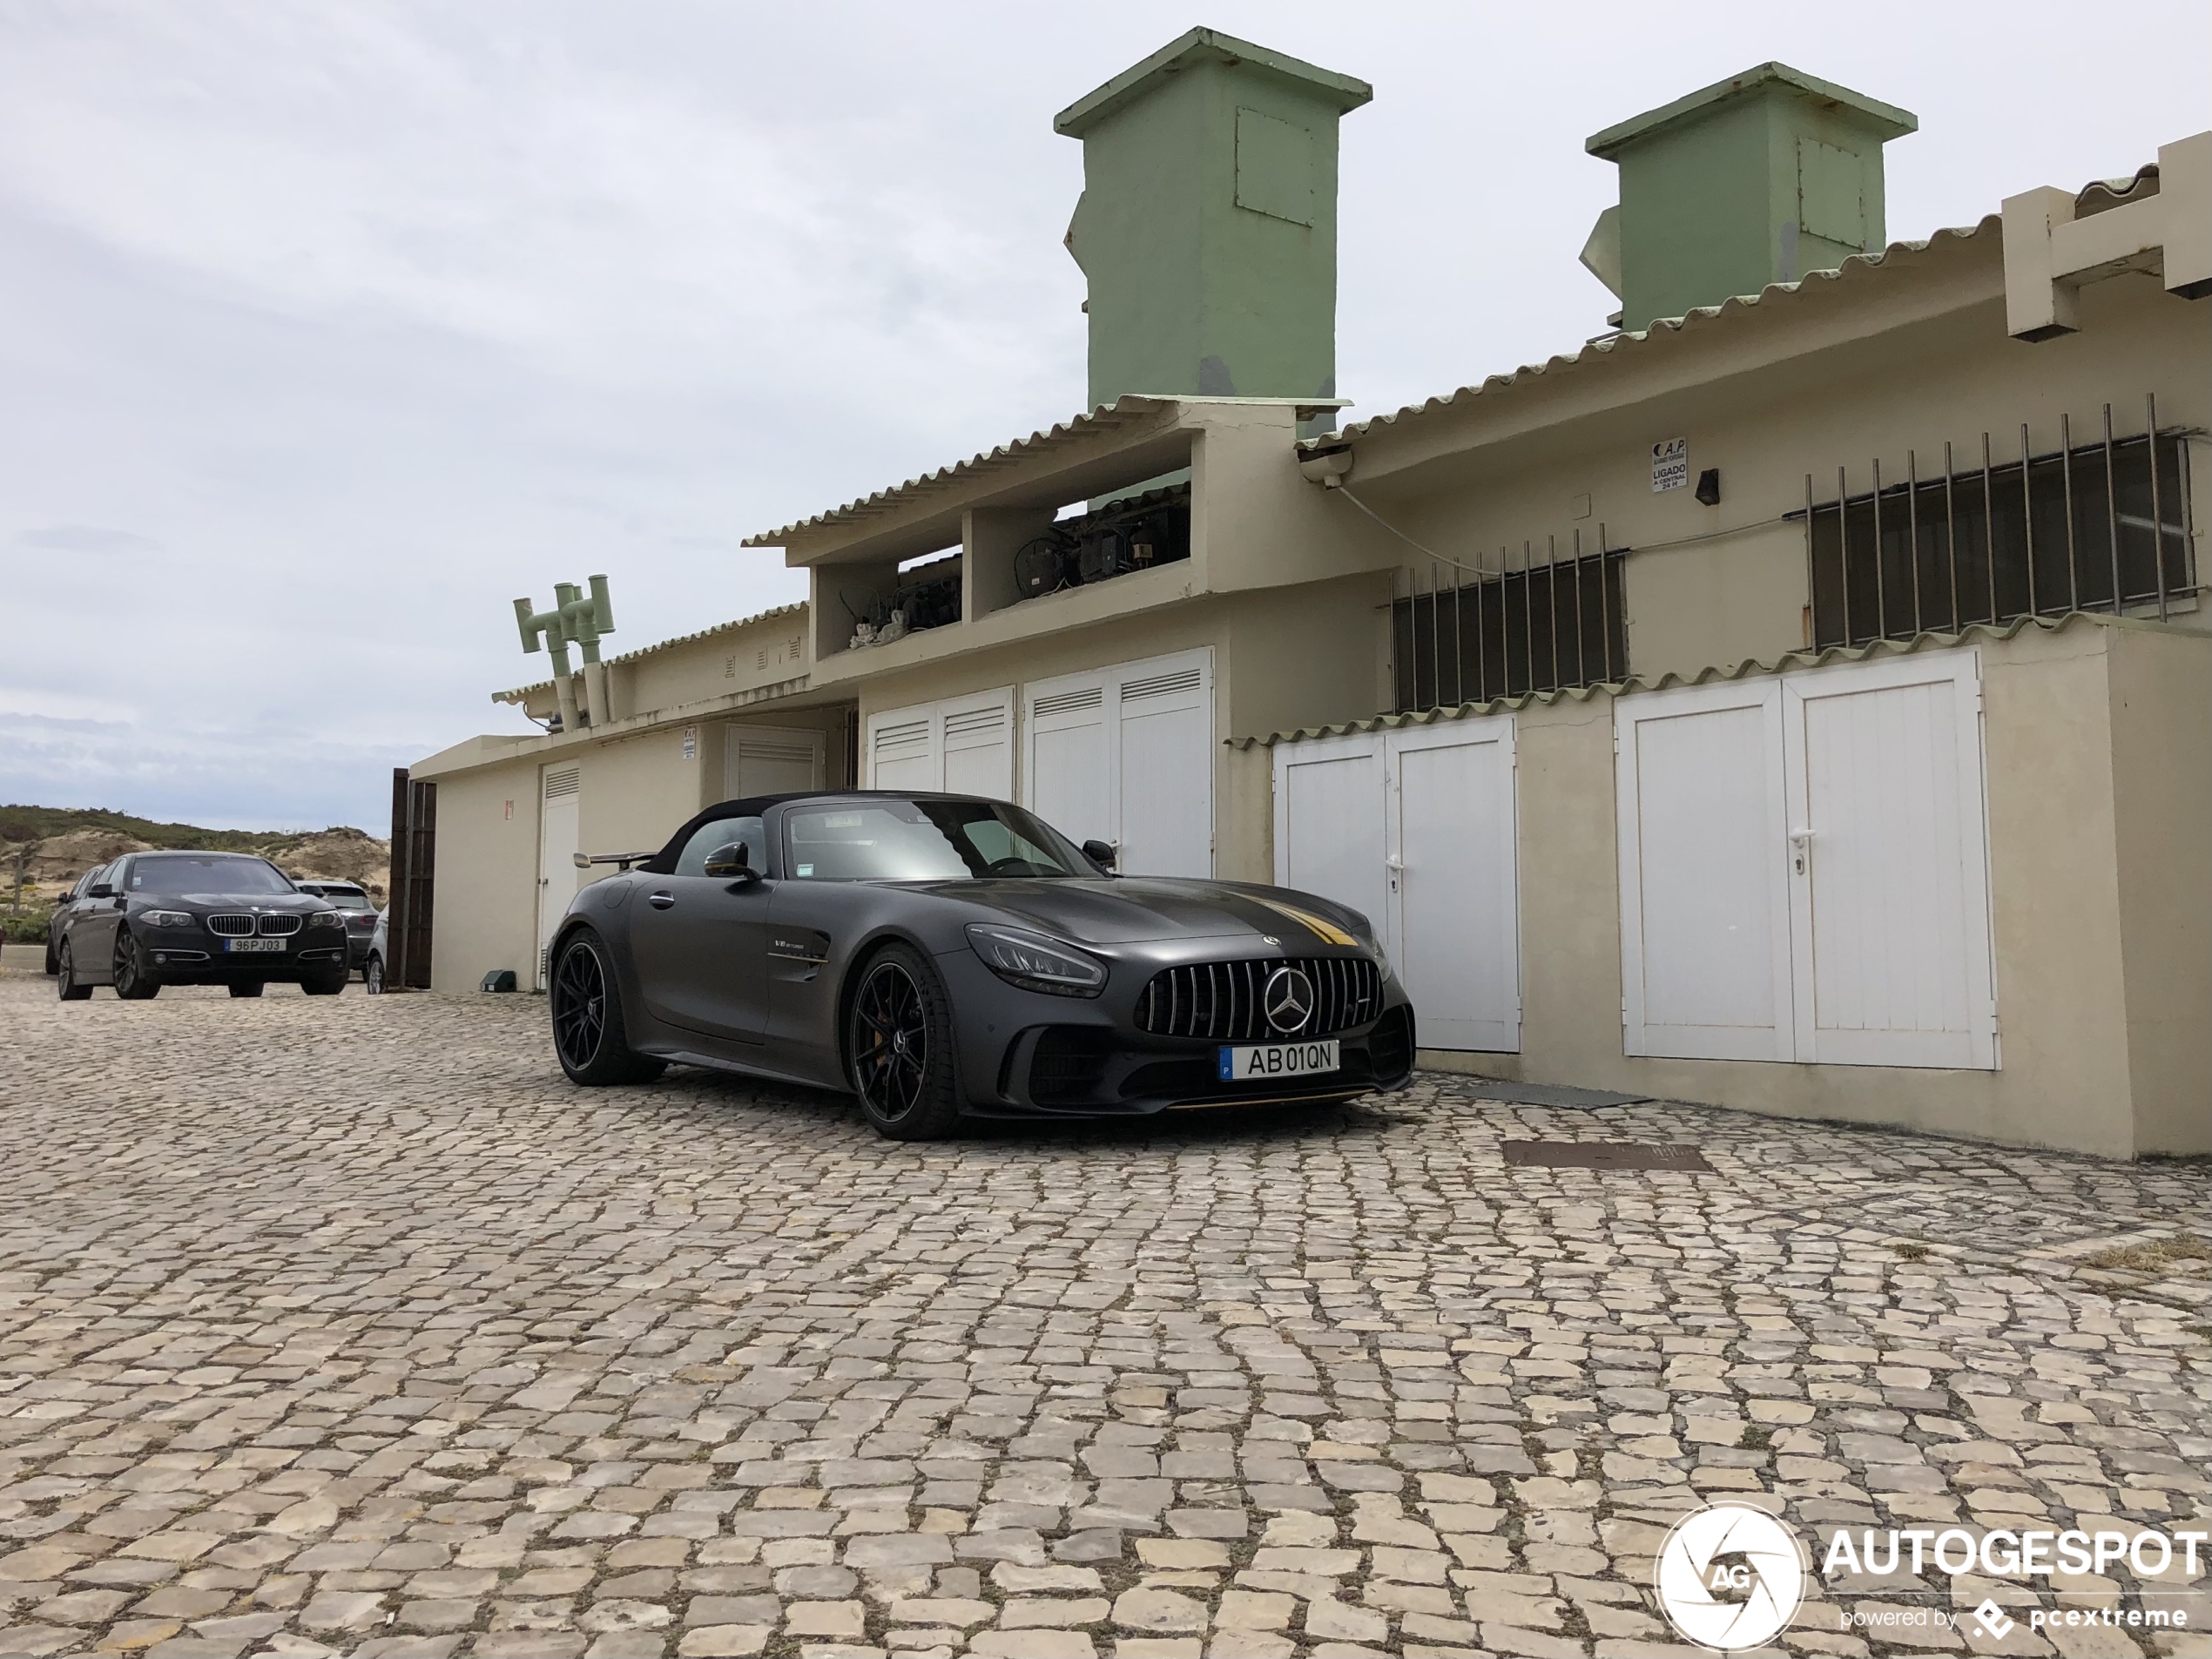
x,y
327,329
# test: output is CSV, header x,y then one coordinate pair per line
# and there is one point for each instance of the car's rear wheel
x,y
373,975
53,963
246,988
73,989
133,983
586,1004
899,1047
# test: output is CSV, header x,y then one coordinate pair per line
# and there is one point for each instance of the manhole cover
x,y
1603,1154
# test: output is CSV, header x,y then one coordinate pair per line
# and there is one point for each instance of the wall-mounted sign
x,y
1670,464
691,743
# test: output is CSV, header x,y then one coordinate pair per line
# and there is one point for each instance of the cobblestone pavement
x,y
350,1326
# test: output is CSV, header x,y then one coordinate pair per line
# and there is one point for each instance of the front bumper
x,y
1028,1054
193,956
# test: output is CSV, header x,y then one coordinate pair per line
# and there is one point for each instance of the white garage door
x,y
1126,755
1704,906
1890,914
1455,936
963,745
1416,830
1804,868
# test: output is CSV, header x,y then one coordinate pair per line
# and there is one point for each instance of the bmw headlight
x,y
167,918
327,919
1037,963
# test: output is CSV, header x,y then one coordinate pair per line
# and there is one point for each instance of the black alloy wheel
x,y
898,1046
586,1007
133,981
246,988
73,989
373,975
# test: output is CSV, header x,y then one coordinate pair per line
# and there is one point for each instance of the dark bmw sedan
x,y
943,956
157,919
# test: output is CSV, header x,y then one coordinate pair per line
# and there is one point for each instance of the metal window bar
x,y
1424,676
2157,518
2027,516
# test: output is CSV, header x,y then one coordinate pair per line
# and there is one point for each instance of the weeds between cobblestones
x,y
352,1327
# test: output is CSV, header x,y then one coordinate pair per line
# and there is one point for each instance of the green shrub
x,y
29,928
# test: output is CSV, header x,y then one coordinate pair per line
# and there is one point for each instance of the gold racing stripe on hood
x,y
1327,930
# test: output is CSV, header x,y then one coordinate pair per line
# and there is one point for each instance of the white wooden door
x,y
1454,923
1126,755
1166,767
1888,876
975,736
770,760
902,750
1329,811
1704,891
962,745
560,796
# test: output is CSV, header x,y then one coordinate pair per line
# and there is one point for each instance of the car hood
x,y
282,904
1136,909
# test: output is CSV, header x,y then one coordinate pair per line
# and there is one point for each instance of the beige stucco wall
x,y
2072,1021
484,910
2160,708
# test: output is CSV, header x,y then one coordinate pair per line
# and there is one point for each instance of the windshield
x,y
172,873
925,841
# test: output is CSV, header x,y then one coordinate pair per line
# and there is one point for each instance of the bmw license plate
x,y
242,945
1271,1059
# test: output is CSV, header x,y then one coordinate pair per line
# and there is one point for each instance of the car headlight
x,y
327,919
167,918
1037,963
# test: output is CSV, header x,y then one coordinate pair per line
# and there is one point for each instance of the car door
x,y
700,942
92,929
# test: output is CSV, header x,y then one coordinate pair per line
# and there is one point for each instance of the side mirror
x,y
1100,853
732,861
99,890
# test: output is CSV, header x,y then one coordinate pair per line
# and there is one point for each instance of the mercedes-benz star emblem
x,y
1287,999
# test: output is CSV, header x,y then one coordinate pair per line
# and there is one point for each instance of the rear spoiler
x,y
585,860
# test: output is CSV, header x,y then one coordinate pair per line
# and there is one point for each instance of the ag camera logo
x,y
1730,1576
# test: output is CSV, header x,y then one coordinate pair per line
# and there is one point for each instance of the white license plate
x,y
254,944
1268,1059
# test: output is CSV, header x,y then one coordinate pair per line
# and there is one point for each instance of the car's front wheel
x,y
373,975
325,984
586,1005
133,982
73,989
899,1047
246,988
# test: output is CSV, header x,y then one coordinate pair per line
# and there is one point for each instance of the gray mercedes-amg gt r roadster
x,y
944,955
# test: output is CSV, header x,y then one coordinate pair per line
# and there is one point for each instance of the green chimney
x,y
1208,222
1758,178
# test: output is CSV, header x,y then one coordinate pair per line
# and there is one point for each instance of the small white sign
x,y
691,743
1670,464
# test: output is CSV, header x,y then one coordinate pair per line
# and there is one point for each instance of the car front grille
x,y
232,924
1223,1002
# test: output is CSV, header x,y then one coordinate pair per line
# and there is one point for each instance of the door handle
x,y
661,900
1802,840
